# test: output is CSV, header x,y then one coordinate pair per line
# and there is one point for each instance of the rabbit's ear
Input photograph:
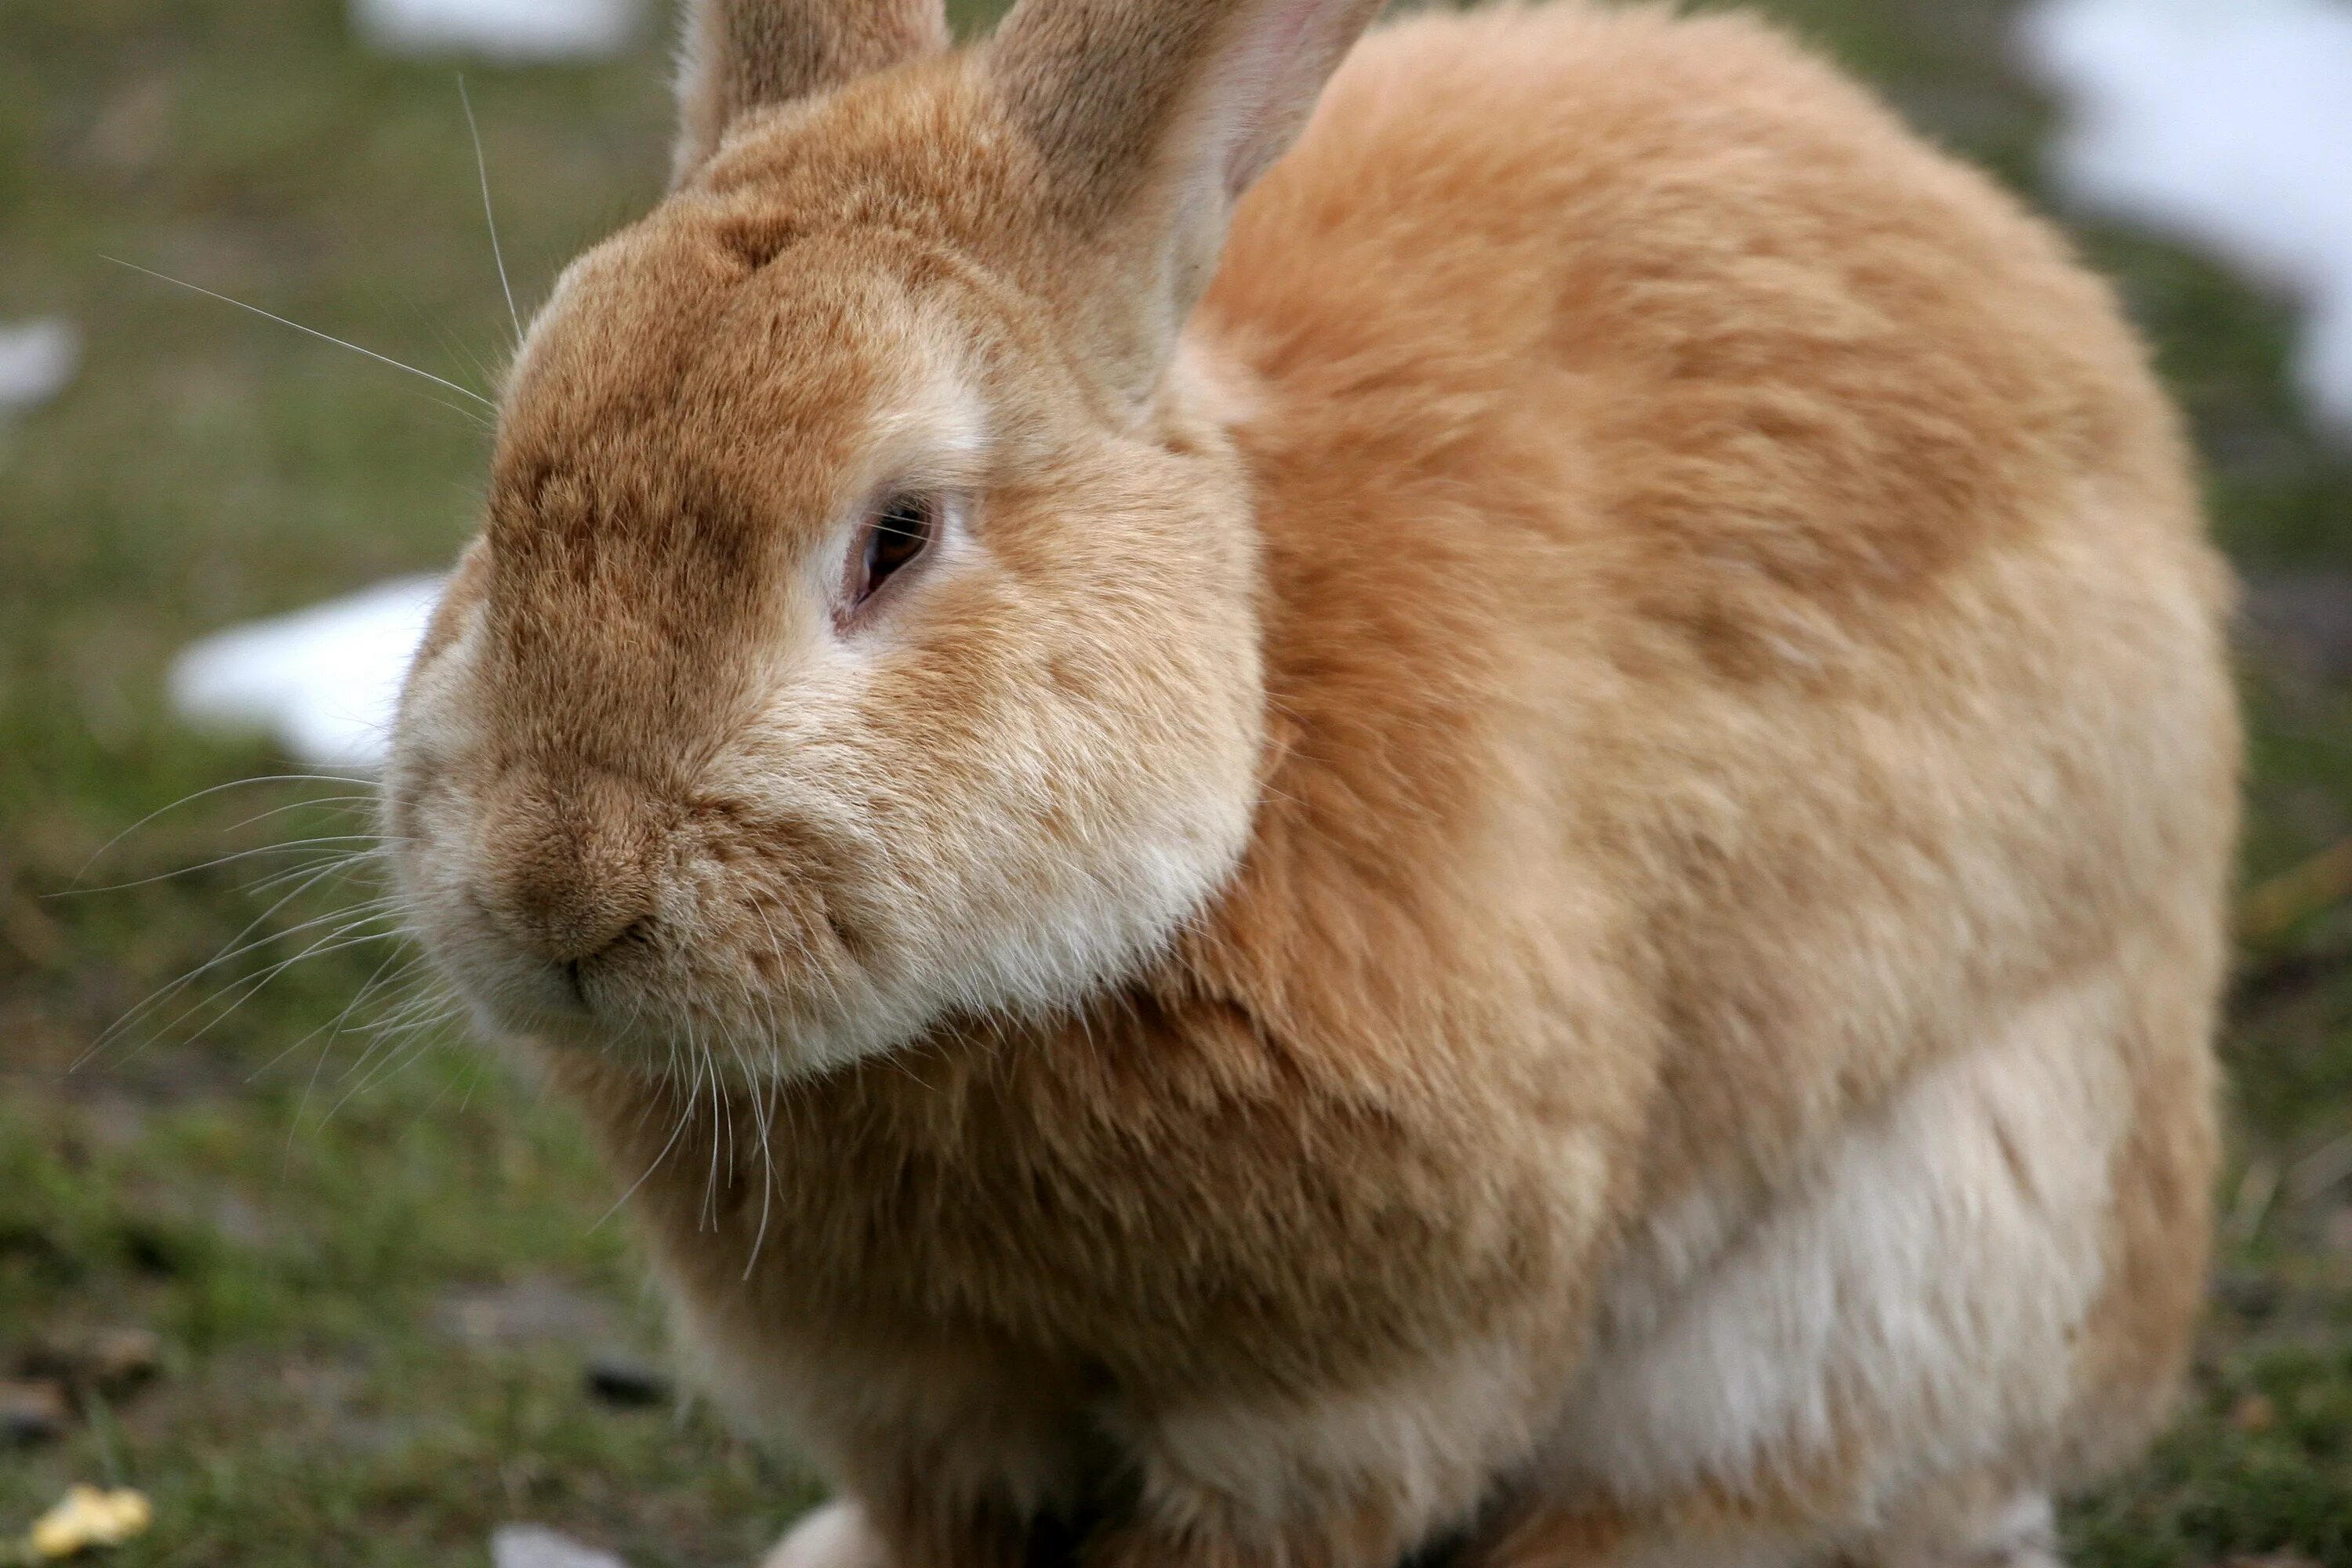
x,y
741,54
1154,116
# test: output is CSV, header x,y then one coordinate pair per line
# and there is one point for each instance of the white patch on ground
x,y
536,1546
37,358
514,31
322,681
2226,124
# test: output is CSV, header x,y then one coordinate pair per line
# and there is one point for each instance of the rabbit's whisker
x,y
489,215
230,859
238,947
311,331
326,1035
676,1132
194,796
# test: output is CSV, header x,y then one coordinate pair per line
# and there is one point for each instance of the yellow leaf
x,y
89,1518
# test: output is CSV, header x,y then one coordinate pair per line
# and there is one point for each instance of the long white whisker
x,y
334,1028
313,332
676,1132
720,1121
450,342
344,803
404,1034
473,1082
759,1113
238,947
326,1047
405,1053
230,859
194,796
473,1077
482,168
345,862
246,989
349,936
427,1010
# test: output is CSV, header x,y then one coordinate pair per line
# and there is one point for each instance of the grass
x,y
375,1271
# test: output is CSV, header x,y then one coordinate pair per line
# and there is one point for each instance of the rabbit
x,y
1301,796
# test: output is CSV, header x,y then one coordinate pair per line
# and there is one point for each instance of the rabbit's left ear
x,y
741,54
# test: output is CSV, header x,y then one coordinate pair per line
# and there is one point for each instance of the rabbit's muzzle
x,y
577,865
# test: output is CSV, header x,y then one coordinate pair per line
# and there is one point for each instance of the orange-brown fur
x,y
1700,602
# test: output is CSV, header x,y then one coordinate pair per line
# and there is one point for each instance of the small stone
x,y
121,1359
536,1546
31,1413
534,1307
625,1381
2249,1294
111,1360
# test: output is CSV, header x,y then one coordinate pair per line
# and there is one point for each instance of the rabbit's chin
x,y
688,1054
688,1007
660,1036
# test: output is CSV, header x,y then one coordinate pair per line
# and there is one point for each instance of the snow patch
x,y
536,1546
323,682
511,31
37,358
2226,124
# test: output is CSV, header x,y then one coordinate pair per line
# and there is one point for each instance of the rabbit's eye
x,y
899,529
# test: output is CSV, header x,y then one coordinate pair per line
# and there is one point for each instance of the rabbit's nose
x,y
573,866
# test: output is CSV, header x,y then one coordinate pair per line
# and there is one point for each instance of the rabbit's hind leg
x,y
1941,1316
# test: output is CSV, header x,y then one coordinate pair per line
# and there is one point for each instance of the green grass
x,y
325,1242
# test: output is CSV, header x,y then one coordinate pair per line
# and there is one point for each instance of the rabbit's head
x,y
864,627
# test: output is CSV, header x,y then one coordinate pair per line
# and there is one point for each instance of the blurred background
x,y
330,1287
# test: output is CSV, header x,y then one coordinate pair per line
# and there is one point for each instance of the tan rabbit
x,y
1514,852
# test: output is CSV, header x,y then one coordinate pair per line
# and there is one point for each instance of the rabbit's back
x,y
1654,437
1756,562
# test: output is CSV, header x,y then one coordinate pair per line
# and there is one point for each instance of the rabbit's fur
x,y
1536,870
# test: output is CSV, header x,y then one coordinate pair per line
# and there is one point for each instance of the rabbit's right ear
x,y
741,54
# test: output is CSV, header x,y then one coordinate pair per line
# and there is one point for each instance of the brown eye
x,y
901,528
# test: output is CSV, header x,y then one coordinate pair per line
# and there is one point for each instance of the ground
x,y
371,1266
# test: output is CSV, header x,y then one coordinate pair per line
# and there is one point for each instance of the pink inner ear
x,y
1265,82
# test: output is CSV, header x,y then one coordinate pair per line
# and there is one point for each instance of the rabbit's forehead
x,y
660,384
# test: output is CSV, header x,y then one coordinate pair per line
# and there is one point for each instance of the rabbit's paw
x,y
1954,1528
837,1535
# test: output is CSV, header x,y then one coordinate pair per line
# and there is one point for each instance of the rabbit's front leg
x,y
837,1535
942,1453
842,1534
1359,1477
966,1466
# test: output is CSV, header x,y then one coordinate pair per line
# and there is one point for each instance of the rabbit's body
x,y
1703,1055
